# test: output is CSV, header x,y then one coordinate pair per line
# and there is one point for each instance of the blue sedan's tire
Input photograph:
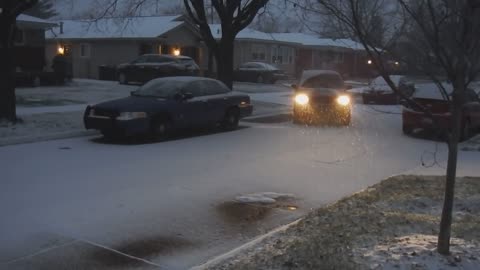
x,y
161,129
122,78
231,119
111,135
260,79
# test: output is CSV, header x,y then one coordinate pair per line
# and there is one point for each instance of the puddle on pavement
x,y
250,212
243,212
143,248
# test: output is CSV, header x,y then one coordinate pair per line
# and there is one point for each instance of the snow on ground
x,y
113,194
263,197
63,121
43,126
377,228
419,251
85,190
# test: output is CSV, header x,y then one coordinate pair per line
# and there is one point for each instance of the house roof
x,y
313,41
33,22
246,33
108,28
291,38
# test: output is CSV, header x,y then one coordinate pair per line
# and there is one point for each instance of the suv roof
x,y
307,74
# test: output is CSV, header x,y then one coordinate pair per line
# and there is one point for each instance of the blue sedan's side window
x,y
195,88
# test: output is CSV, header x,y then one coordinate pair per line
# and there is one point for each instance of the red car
x,y
413,119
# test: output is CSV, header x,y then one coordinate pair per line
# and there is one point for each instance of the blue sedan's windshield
x,y
160,88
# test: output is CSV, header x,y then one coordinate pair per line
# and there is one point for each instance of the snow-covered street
x,y
91,192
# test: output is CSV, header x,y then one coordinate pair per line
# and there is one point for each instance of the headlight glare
x,y
302,99
343,100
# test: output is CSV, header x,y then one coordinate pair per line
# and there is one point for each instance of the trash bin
x,y
107,73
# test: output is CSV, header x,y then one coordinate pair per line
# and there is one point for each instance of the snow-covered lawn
x,y
43,126
391,225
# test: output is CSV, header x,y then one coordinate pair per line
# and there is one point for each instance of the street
x,y
64,200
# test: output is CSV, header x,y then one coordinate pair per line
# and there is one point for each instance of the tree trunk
x,y
443,244
7,70
224,60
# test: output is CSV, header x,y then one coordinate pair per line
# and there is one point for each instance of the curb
x,y
47,137
232,253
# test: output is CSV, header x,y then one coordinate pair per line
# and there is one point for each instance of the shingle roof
x,y
24,19
293,38
136,27
313,41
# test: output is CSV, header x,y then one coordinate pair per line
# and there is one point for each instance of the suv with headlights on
x,y
321,97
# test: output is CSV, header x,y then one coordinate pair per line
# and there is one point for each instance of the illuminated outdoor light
x,y
369,62
301,99
61,50
397,63
343,100
176,52
292,208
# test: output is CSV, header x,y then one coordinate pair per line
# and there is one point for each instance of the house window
x,y
258,52
84,50
19,37
282,55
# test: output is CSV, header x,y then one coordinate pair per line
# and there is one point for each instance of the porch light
x,y
397,63
61,50
176,51
369,62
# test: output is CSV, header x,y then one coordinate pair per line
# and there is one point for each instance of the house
x,y
29,44
342,55
253,45
112,41
295,52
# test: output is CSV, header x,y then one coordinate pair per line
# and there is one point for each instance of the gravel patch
x,y
391,225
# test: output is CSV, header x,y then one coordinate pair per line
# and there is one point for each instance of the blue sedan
x,y
166,104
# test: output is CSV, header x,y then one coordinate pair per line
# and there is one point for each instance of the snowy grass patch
x,y
391,225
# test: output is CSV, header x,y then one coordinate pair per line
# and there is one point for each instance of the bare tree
x,y
234,16
9,11
43,9
445,37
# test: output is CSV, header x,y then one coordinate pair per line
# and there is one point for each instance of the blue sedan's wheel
x,y
161,129
122,78
230,122
260,79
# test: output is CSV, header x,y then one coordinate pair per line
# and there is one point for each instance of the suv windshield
x,y
324,81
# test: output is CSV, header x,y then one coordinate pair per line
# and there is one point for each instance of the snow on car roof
x,y
307,74
431,90
134,27
265,65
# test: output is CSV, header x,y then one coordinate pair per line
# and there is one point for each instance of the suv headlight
x,y
302,99
343,100
131,115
